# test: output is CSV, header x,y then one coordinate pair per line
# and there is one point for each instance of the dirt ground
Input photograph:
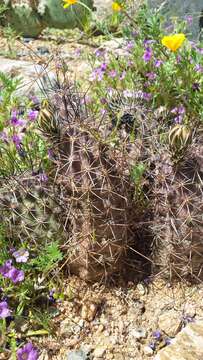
x,y
121,322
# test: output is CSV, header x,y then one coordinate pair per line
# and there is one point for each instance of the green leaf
x,y
37,332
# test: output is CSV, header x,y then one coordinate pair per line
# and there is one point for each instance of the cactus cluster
x,y
173,186
178,206
93,206
88,201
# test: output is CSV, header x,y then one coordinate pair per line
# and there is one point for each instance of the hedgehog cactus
x,y
91,178
30,210
86,204
178,208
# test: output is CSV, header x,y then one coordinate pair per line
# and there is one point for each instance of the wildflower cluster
x,y
160,69
19,141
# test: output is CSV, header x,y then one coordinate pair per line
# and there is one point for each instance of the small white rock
x,y
139,333
148,351
99,352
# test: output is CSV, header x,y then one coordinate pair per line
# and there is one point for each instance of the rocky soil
x,y
130,321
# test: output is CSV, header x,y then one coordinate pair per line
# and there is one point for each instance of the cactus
x,y
87,204
30,209
30,17
178,207
91,176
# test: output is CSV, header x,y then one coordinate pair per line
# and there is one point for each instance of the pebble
x,y
148,351
141,289
99,352
27,40
138,333
100,328
88,311
43,50
77,355
170,322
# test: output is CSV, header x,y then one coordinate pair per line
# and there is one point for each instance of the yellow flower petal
x,y
68,3
116,6
173,42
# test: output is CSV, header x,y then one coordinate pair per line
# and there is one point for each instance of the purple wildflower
x,y
130,63
148,42
43,177
51,296
11,250
130,45
3,136
189,19
103,111
4,310
17,122
151,75
99,52
157,334
27,352
16,275
113,73
17,138
103,100
178,110
97,74
200,50
103,67
9,271
147,54
123,74
4,269
32,115
147,96
14,114
199,68
134,33
158,63
21,255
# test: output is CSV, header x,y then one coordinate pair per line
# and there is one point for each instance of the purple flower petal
x,y
4,269
21,255
113,74
4,310
32,115
147,54
16,275
27,352
158,63
157,334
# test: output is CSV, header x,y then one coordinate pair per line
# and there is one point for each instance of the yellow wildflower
x,y
68,3
173,42
116,6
